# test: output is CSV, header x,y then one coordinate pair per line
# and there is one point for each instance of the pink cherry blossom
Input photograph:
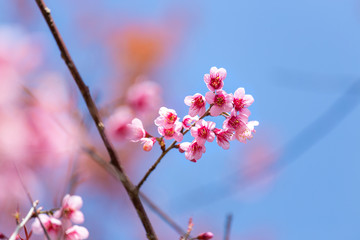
x,y
223,137
144,97
137,130
245,132
205,236
193,151
148,143
70,209
197,104
235,121
214,80
241,100
167,118
222,102
172,132
117,124
188,121
76,233
203,131
51,224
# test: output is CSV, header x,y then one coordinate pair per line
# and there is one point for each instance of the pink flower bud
x,y
205,236
148,143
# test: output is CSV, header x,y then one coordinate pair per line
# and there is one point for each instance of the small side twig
x,y
31,201
228,226
25,220
152,168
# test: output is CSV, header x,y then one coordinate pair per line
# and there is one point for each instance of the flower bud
x,y
205,236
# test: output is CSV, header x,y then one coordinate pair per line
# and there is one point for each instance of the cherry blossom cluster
x,y
233,107
60,224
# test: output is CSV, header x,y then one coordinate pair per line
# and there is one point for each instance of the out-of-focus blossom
x,y
222,102
203,131
144,97
241,100
52,226
197,104
223,137
193,151
137,131
245,132
148,143
188,121
19,50
70,209
173,132
118,124
215,80
167,118
205,236
76,233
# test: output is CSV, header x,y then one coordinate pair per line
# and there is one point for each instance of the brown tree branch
x,y
128,185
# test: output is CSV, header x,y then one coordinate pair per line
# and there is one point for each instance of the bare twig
x,y
228,227
24,221
152,168
162,214
128,185
31,201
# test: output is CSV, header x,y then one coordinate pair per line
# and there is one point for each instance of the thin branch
x,y
128,185
152,168
228,227
162,214
24,221
31,201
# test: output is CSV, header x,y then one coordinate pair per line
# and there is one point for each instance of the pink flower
x,y
223,137
70,209
245,132
203,131
172,132
197,104
221,100
188,121
235,121
117,124
51,225
148,143
167,118
205,236
241,100
144,97
137,130
193,151
214,80
76,233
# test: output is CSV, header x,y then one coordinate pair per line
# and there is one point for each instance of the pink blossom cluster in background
x,y
233,107
60,225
